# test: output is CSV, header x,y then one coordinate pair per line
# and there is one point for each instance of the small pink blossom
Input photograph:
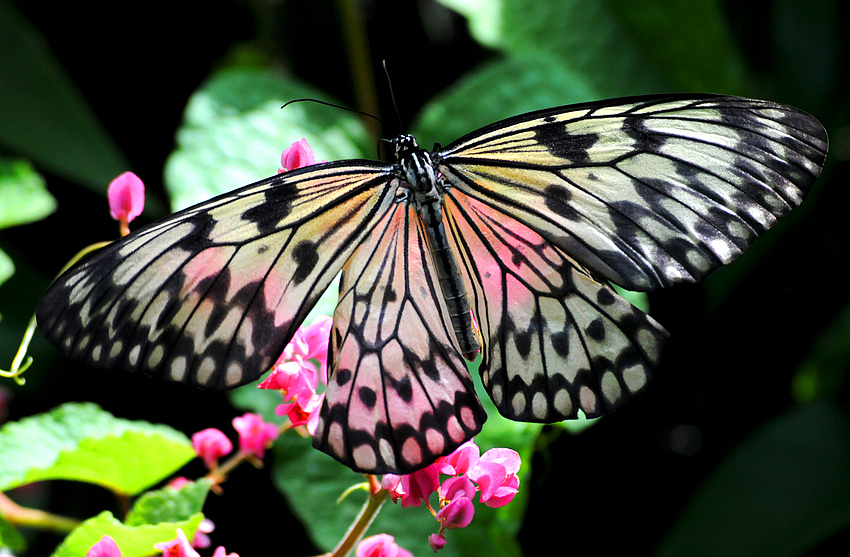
x,y
254,434
210,444
437,542
177,483
106,547
179,547
380,545
497,476
304,410
419,486
457,514
294,378
460,460
126,196
220,552
297,155
201,539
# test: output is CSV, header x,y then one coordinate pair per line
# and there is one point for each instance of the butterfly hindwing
x,y
646,192
210,295
555,340
399,393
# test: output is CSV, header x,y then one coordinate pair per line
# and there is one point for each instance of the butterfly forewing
x,y
399,393
211,295
650,192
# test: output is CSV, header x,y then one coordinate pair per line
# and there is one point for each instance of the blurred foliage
x,y
740,446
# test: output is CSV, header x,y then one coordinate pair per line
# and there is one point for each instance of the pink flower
x,y
437,542
380,545
201,539
457,514
297,155
460,460
310,342
210,444
179,547
254,434
220,552
126,196
106,547
304,410
294,378
496,476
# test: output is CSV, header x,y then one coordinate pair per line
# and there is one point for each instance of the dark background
x,y
616,488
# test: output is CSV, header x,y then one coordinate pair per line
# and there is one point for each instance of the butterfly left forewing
x,y
210,295
399,393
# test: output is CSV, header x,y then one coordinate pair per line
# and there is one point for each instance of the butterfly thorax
x,y
424,182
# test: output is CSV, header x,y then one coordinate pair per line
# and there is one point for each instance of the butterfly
x,y
503,244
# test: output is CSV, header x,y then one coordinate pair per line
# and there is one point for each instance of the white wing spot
x,y
519,402
366,458
563,403
635,378
178,369
115,349
133,356
539,405
234,374
205,370
610,387
587,400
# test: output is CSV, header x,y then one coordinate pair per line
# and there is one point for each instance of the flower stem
x,y
364,519
21,516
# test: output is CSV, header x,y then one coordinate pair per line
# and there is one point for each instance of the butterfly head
x,y
404,145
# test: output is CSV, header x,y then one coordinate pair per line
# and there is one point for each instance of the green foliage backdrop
x,y
742,443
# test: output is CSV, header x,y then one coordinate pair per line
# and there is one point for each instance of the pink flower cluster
x,y
297,373
255,435
178,547
494,475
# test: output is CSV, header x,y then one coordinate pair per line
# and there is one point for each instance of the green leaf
x,y
823,371
498,90
10,538
588,38
7,268
79,441
781,493
234,132
133,541
169,505
688,41
23,197
42,114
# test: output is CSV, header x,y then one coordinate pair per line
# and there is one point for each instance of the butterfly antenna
x,y
287,103
392,94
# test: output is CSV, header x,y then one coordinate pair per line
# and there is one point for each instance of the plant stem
x,y
34,518
364,519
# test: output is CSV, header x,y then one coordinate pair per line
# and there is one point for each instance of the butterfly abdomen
x,y
422,177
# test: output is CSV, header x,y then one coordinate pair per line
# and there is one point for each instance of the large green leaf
x,y
42,114
782,492
133,541
81,442
234,132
